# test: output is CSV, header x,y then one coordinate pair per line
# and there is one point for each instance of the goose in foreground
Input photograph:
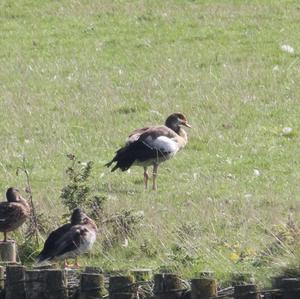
x,y
151,146
13,212
70,240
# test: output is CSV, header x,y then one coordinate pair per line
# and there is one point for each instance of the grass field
x,y
78,76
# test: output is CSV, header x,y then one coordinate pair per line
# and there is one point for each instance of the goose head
x,y
175,121
89,222
12,194
77,216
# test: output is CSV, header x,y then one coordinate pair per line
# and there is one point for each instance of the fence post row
x,y
20,283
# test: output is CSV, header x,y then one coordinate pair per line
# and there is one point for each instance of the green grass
x,y
79,76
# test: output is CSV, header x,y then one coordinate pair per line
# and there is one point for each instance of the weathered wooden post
x,y
91,286
55,284
206,274
90,269
203,288
8,252
168,286
34,284
72,277
122,287
291,288
14,283
45,284
246,291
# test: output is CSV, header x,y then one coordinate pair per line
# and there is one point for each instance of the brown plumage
x,y
13,212
71,239
151,146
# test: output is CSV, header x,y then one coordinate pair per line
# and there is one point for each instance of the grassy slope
x,y
78,76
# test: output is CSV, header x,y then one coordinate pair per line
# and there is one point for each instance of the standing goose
x,y
70,240
13,212
151,146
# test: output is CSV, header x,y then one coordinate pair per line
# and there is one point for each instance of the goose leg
x,y
5,237
65,263
155,168
76,265
146,177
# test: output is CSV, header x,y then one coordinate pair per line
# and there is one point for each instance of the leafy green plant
x,y
78,192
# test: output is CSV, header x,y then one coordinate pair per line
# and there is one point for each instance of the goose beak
x,y
187,125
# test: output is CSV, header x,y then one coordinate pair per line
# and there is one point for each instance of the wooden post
x,y
14,283
291,288
90,269
45,284
91,286
141,274
247,291
8,252
206,274
72,281
203,288
168,286
34,285
122,287
55,284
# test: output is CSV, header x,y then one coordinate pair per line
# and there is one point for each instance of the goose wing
x,y
50,245
9,213
146,144
70,241
161,140
136,134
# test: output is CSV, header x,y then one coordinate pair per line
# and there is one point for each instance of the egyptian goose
x,y
70,240
13,212
151,146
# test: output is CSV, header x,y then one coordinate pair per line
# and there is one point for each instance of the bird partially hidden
x,y
151,146
70,240
13,212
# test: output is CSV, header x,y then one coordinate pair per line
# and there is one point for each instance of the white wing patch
x,y
163,144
